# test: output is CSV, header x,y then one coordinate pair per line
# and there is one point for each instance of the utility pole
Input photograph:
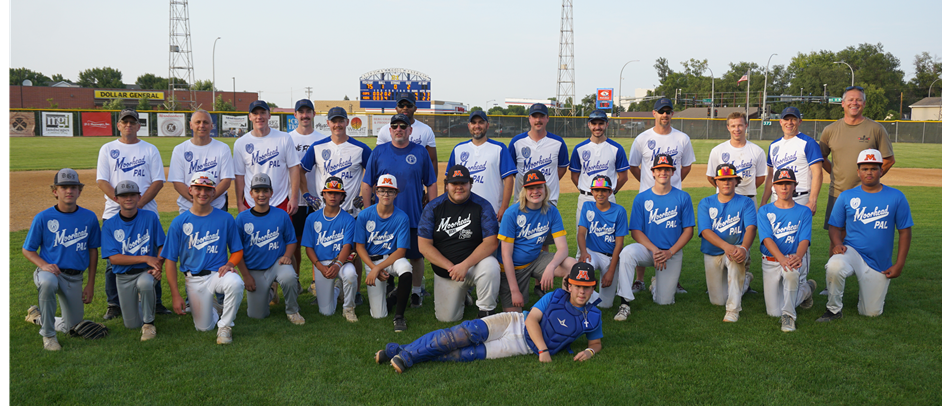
x,y
308,91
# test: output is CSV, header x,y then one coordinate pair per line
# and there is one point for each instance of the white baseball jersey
x,y
797,153
346,161
272,155
590,160
488,164
188,158
421,134
301,144
649,143
748,160
548,155
139,162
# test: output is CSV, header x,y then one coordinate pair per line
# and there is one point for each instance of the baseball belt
x,y
796,194
770,259
375,258
585,193
72,272
607,255
200,273
136,271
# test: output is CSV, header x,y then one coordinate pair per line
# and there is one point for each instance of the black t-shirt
x,y
456,230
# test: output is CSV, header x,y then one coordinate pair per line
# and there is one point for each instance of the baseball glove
x,y
89,329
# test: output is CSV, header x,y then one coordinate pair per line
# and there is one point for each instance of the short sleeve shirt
x,y
412,168
488,164
64,238
273,155
786,227
591,159
728,220
750,162
139,162
188,158
870,220
198,243
547,155
346,161
140,236
844,142
301,144
662,218
327,236
648,144
797,153
456,230
603,226
382,236
264,236
528,230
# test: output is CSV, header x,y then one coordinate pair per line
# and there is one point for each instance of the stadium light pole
x,y
487,103
930,86
851,71
712,93
765,89
213,103
620,78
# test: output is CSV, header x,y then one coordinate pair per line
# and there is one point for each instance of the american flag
x,y
744,77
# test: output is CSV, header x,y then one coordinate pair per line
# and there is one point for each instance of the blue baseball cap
x,y
401,118
406,96
258,103
478,113
598,114
538,108
336,112
662,103
303,103
791,111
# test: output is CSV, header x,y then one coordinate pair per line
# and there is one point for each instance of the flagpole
x,y
748,83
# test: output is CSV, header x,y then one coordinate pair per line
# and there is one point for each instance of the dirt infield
x,y
29,191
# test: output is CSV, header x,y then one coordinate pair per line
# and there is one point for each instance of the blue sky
x,y
473,51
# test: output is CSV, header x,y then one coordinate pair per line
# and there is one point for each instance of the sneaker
x,y
828,316
417,300
637,286
680,289
296,319
112,312
824,292
148,332
468,300
161,309
747,282
788,323
188,309
398,363
399,324
358,299
350,315
424,292
51,344
810,300
224,335
381,357
623,312
731,317
484,313
32,315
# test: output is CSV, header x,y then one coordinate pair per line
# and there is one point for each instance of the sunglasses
x,y
665,111
399,126
405,104
853,88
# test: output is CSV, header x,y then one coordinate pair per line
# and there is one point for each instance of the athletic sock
x,y
624,301
402,293
416,289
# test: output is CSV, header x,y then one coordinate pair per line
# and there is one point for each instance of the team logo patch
x,y
855,203
661,160
526,152
714,212
465,155
648,205
188,156
317,226
582,276
586,155
119,235
456,174
53,225
249,148
114,154
771,217
464,234
532,177
248,227
590,215
870,157
325,154
410,159
725,157
652,145
521,220
370,226
775,151
187,228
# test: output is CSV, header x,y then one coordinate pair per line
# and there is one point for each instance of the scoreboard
x,y
384,93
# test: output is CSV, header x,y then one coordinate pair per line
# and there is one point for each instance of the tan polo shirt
x,y
844,142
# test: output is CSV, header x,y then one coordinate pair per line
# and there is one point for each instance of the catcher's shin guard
x,y
466,354
444,342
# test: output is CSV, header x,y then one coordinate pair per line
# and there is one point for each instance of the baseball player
x,y
867,215
801,154
660,139
552,325
328,240
268,243
727,223
201,153
382,238
594,156
785,233
303,137
128,158
602,230
458,235
132,242
269,151
662,221
489,162
197,240
412,168
421,135
748,158
541,150
67,238
523,231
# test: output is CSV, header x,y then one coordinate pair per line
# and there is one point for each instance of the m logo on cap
x,y
785,175
387,181
662,160
456,174
532,176
871,157
582,276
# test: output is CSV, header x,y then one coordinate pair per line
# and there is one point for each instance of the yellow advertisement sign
x,y
127,94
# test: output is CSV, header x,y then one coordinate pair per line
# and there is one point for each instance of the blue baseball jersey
x,y
346,161
382,236
590,160
139,236
662,218
546,155
488,164
786,227
603,226
869,219
327,236
265,236
412,168
64,239
728,220
798,154
527,231
198,243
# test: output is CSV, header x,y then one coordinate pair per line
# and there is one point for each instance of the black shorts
x,y
827,212
298,220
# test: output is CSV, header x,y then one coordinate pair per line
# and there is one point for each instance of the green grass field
x,y
678,354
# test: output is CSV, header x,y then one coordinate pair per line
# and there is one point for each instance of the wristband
x,y
542,351
591,350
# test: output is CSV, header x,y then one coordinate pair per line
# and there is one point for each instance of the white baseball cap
x,y
870,156
387,180
205,179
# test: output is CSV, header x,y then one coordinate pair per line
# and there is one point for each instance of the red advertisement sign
x,y
97,124
603,94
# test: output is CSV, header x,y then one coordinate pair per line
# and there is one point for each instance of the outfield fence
x,y
59,122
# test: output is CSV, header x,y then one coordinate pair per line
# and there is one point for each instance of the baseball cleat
x,y
161,309
788,323
399,324
51,344
148,332
824,292
350,315
424,292
112,312
398,363
731,317
224,335
416,300
32,315
296,319
381,357
358,299
807,303
637,286
623,312
468,301
828,316
680,289
747,282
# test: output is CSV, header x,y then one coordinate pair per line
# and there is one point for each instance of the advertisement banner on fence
x,y
57,124
97,124
379,122
234,126
144,120
171,124
22,124
275,122
355,128
292,124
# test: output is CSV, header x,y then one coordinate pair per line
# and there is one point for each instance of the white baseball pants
x,y
200,290
505,335
377,293
68,288
663,286
258,300
784,290
450,295
602,262
134,312
347,278
725,279
873,284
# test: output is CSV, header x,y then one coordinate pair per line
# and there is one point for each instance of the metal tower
x,y
180,75
566,72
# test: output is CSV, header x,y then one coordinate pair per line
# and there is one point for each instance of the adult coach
x,y
747,157
201,154
662,138
800,153
489,162
410,164
538,149
128,158
867,215
458,235
67,238
302,138
421,133
269,151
